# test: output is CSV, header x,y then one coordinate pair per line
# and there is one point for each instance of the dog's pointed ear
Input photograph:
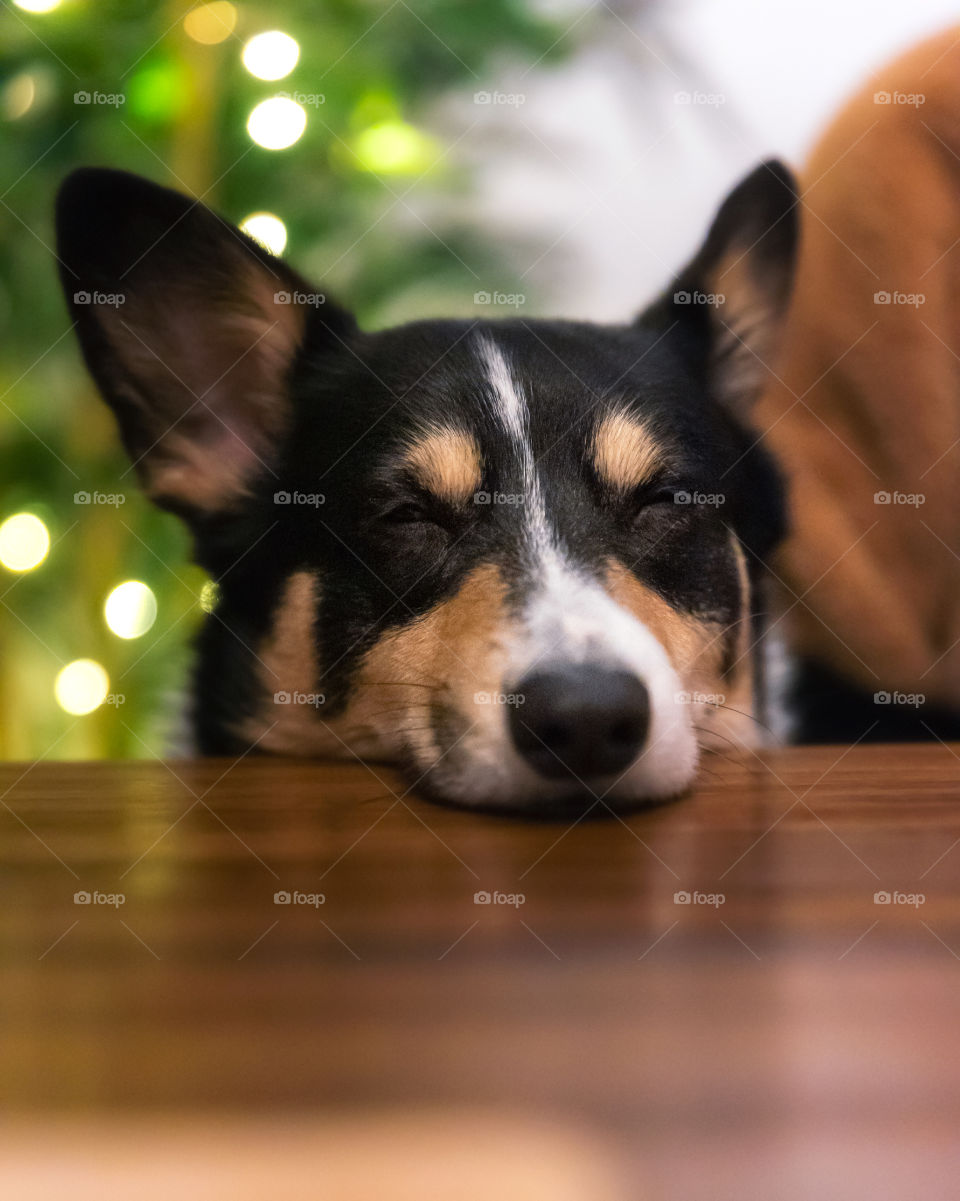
x,y
190,330
729,301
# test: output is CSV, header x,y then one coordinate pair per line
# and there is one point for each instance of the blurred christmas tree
x,y
312,115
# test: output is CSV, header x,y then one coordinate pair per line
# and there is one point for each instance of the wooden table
x,y
785,1034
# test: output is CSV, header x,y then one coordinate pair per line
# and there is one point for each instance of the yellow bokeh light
x,y
271,55
24,542
81,687
267,229
130,609
394,148
211,23
277,123
37,6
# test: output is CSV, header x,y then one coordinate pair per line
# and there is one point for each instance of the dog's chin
x,y
551,805
513,789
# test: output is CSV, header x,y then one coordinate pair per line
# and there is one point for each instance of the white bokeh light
x,y
267,229
24,542
277,123
130,609
37,6
81,687
271,55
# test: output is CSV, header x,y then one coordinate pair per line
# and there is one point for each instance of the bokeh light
x,y
130,609
37,6
24,542
211,23
81,687
271,55
18,95
277,123
159,91
267,229
394,148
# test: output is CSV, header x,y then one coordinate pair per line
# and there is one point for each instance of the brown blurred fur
x,y
878,388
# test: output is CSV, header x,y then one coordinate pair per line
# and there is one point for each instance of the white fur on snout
x,y
573,620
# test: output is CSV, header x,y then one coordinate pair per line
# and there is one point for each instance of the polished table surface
x,y
753,992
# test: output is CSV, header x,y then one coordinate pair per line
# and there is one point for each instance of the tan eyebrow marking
x,y
625,453
447,463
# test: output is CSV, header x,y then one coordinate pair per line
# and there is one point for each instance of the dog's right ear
x,y
729,302
190,330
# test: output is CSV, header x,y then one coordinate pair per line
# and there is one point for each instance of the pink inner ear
x,y
210,376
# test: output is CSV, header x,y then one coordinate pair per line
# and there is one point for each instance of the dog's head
x,y
513,556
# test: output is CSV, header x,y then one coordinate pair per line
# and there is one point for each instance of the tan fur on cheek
x,y
427,689
683,638
696,650
625,453
451,660
288,667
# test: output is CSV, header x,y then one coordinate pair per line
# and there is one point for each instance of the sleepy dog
x,y
519,558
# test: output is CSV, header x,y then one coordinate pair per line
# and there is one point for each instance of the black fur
x,y
828,708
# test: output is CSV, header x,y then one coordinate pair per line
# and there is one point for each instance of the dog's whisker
x,y
749,716
715,734
400,684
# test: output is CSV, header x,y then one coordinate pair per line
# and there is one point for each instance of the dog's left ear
x,y
729,301
191,331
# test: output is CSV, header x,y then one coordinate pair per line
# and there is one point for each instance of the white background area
x,y
611,177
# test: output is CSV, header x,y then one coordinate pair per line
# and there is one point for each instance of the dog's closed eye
x,y
407,513
652,496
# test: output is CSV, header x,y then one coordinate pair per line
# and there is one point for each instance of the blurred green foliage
x,y
182,121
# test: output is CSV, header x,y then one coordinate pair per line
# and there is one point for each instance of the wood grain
x,y
794,1039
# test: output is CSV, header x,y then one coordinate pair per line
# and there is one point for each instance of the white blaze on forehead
x,y
511,411
511,404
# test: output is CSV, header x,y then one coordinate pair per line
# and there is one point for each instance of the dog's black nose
x,y
580,720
